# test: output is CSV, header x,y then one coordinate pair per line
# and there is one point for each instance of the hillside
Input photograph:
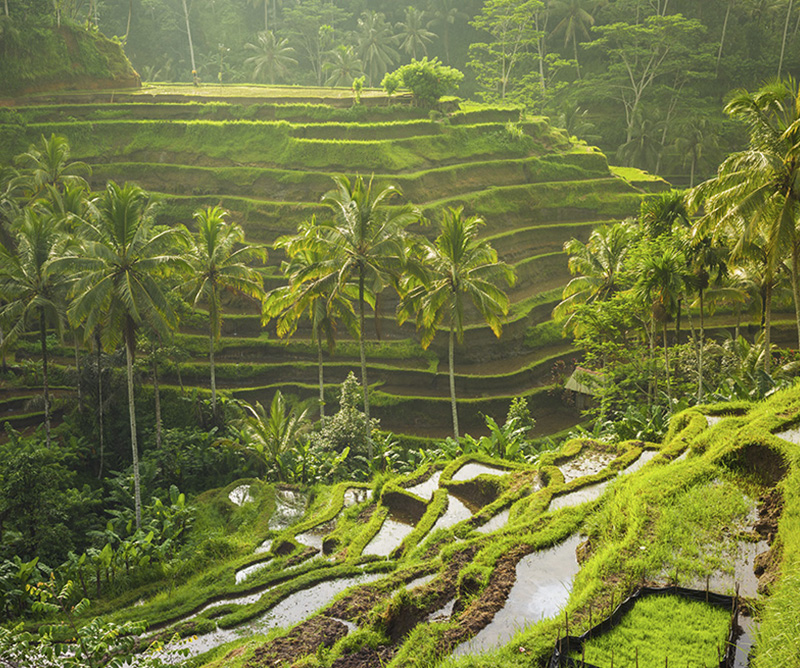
x,y
268,155
41,58
483,555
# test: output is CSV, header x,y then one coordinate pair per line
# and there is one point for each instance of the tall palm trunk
x,y
796,285
137,495
767,325
45,383
213,373
666,360
363,352
189,34
785,33
321,383
157,398
100,402
700,350
77,370
724,31
577,64
453,405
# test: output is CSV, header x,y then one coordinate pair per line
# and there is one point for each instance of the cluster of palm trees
x,y
339,266
733,240
99,264
370,51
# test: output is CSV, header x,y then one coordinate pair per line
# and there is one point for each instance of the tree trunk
x,y
575,49
189,34
157,399
3,363
213,373
796,285
137,495
77,370
666,361
453,405
767,325
678,322
266,15
785,33
363,353
722,38
128,26
45,383
321,384
700,351
100,402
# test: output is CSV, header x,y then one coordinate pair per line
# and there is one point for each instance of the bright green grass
x,y
633,174
251,90
682,631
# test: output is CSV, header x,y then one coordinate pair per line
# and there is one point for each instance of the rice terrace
x,y
357,334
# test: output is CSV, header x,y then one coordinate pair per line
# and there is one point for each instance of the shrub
x,y
427,79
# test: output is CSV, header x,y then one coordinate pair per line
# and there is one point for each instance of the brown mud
x,y
304,639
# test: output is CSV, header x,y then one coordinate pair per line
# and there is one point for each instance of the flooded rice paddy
x,y
473,470
290,508
240,495
542,588
390,536
425,490
456,512
293,609
496,522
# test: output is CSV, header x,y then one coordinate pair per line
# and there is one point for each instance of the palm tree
x,y
661,283
576,19
216,266
367,241
597,266
32,288
317,299
708,263
49,164
376,45
459,266
271,435
273,56
760,186
444,14
414,37
122,282
344,67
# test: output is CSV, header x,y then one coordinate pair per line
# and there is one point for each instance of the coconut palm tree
x,y
219,260
597,267
272,56
414,36
662,271
32,289
376,42
444,14
460,268
319,300
366,237
344,66
122,282
49,164
576,20
759,188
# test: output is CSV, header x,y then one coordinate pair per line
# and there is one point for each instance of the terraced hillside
x,y
493,561
269,162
